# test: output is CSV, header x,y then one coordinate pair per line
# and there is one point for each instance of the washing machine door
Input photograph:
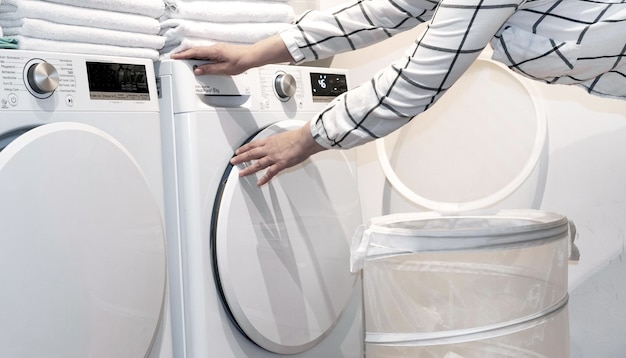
x,y
82,246
281,252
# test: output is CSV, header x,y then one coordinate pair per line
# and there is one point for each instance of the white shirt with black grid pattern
x,y
589,52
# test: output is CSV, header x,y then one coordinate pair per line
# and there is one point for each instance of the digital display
x,y
327,86
117,81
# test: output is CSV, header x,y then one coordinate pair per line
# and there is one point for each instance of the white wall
x,y
585,181
586,177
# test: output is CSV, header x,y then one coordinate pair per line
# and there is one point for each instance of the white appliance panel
x,y
82,208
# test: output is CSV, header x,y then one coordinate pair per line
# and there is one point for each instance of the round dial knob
x,y
285,85
43,77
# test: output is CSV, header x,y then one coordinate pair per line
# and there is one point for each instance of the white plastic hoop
x,y
489,200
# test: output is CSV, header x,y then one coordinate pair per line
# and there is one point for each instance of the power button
x,y
13,99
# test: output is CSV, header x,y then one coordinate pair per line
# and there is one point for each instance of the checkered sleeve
x,y
353,25
572,42
459,30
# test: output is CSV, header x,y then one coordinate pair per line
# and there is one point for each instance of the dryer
x,y
257,272
82,247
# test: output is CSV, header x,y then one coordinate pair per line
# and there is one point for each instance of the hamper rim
x,y
538,221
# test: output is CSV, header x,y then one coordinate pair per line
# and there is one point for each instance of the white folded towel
x,y
47,30
229,11
72,15
175,30
10,23
28,43
152,8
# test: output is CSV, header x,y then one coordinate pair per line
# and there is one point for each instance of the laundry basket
x,y
470,286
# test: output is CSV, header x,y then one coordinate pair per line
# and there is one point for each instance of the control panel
x,y
39,80
284,88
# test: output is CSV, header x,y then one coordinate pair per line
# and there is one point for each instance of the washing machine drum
x,y
82,246
281,252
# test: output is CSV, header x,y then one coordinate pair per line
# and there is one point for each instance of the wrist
x,y
310,144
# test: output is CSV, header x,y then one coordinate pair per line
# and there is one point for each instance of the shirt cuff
x,y
319,134
292,46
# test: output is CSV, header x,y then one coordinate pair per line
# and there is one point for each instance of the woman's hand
x,y
224,59
276,153
230,59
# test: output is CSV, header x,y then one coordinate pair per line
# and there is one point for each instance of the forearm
x,y
416,81
353,25
267,51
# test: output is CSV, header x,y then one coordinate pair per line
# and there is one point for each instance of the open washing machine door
x,y
281,252
82,246
481,146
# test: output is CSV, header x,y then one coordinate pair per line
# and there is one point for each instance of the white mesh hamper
x,y
471,286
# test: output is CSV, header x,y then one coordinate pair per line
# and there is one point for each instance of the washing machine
x,y
254,271
82,244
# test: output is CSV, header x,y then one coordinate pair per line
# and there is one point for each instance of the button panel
x,y
63,83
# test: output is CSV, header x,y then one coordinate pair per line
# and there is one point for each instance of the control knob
x,y
285,86
43,77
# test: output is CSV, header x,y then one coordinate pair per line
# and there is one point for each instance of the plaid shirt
x,y
580,42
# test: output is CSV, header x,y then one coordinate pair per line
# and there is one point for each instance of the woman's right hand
x,y
276,153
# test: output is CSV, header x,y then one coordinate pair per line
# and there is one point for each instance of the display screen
x,y
327,86
117,81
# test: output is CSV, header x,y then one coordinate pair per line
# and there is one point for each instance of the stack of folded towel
x,y
106,27
6,43
190,23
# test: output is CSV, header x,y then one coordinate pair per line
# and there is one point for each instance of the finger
x,y
189,53
245,157
248,151
254,167
270,173
252,145
182,54
199,53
